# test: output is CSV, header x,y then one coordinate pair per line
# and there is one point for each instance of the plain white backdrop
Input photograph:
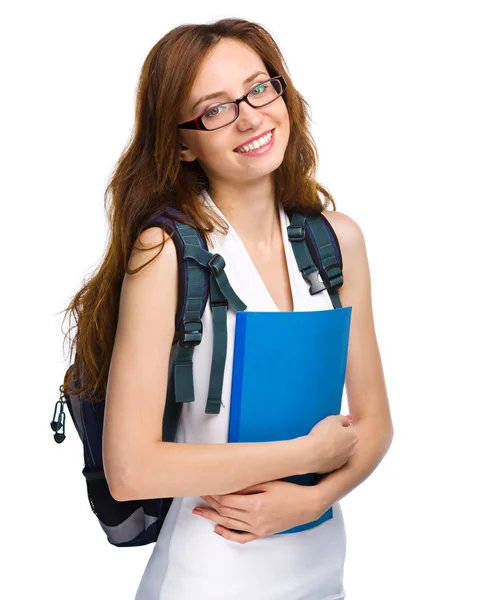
x,y
399,100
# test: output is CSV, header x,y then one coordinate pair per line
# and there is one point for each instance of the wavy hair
x,y
149,177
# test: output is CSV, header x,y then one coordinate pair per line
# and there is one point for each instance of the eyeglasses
x,y
223,114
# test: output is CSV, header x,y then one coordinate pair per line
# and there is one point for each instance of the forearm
x,y
171,470
375,437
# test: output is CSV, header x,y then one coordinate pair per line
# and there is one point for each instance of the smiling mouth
x,y
270,131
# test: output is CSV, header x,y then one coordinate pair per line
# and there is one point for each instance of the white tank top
x,y
189,561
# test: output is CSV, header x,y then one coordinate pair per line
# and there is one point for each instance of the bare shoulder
x,y
148,246
349,233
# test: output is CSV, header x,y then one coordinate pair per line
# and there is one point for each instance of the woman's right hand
x,y
333,442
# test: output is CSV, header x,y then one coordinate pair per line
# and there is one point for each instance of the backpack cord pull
x,y
59,423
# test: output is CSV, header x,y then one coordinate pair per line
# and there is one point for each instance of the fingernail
x,y
218,532
197,511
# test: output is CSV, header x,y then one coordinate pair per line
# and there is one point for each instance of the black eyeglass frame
x,y
197,123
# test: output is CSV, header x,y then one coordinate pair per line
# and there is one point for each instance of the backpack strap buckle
x,y
192,333
314,280
216,303
296,233
333,277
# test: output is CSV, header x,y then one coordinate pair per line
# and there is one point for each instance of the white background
x,y
399,101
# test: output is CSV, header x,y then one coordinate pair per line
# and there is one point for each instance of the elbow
x,y
118,488
120,470
120,480
135,479
128,489
389,436
129,483
118,494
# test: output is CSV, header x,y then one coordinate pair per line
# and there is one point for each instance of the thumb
x,y
346,420
253,489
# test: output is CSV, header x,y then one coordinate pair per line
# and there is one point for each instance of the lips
x,y
256,137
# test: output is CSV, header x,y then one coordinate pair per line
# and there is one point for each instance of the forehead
x,y
226,66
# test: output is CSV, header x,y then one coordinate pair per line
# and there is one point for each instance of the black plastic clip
x,y
192,333
296,233
316,284
59,423
332,277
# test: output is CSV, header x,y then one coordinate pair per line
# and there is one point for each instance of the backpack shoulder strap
x,y
193,289
201,275
221,296
317,252
193,282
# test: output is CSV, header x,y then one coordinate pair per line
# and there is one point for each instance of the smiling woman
x,y
259,106
220,176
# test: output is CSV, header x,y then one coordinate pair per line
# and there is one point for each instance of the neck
x,y
251,210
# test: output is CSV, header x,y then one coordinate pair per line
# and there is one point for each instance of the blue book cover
x,y
288,374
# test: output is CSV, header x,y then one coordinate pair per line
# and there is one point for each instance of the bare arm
x,y
137,462
171,470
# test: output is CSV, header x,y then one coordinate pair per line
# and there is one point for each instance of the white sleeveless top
x,y
189,561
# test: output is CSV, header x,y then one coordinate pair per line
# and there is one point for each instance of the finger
x,y
228,522
240,502
230,501
225,511
214,501
210,500
233,536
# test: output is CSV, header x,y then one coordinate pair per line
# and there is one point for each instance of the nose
x,y
249,117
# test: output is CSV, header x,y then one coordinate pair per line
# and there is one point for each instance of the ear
x,y
185,154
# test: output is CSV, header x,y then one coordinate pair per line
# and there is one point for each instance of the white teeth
x,y
256,144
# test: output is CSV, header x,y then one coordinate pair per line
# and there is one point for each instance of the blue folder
x,y
288,374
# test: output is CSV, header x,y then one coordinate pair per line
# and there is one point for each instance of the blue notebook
x,y
288,374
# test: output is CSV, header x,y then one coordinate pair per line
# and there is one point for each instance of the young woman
x,y
236,191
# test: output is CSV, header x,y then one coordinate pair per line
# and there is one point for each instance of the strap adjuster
x,y
332,277
216,264
296,233
215,303
192,333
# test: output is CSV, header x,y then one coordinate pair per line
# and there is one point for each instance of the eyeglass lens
x,y
223,114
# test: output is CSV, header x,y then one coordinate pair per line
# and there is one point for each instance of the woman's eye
x,y
261,88
209,113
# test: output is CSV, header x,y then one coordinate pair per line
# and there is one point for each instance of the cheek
x,y
214,150
283,119
284,115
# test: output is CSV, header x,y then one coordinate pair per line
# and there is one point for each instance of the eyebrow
x,y
215,94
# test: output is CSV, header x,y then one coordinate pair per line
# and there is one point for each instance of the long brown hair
x,y
149,177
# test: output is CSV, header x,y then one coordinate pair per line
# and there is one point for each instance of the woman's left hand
x,y
261,510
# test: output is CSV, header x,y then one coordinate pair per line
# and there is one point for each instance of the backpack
x,y
201,277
